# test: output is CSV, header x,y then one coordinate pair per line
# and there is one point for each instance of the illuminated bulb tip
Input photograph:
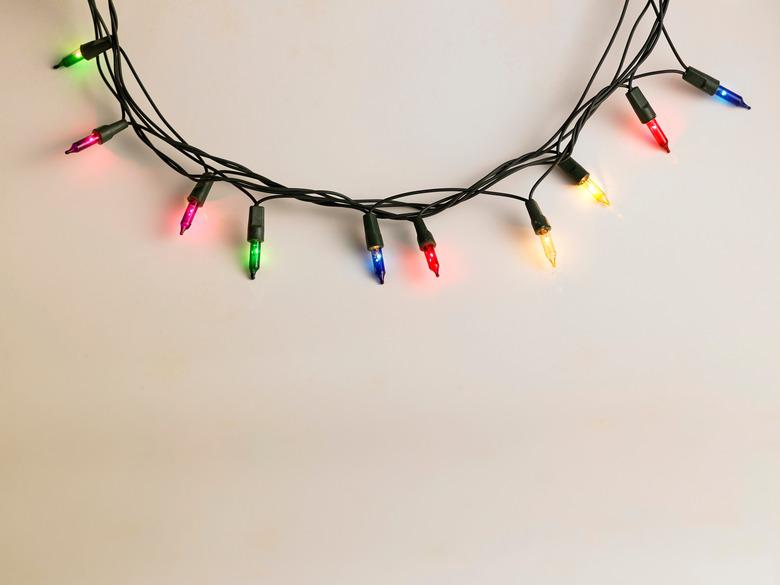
x,y
85,143
549,248
432,259
733,98
188,217
659,135
378,262
70,60
254,259
595,191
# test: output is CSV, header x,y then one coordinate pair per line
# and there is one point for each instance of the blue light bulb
x,y
729,96
378,261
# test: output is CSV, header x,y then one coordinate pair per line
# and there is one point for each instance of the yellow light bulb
x,y
591,187
549,248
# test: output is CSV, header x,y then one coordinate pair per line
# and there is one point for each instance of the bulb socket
x,y
424,237
574,170
374,239
538,220
701,80
642,107
255,231
201,191
97,47
108,131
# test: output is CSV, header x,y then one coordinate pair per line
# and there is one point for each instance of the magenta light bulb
x,y
99,135
188,217
85,143
195,201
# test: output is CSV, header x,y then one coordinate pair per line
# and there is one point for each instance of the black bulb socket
x,y
701,80
574,170
538,220
255,231
97,47
374,239
424,237
201,191
108,131
642,107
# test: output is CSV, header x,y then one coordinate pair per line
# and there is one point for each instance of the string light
x,y
731,97
86,51
583,179
375,245
195,201
70,60
431,259
155,131
646,115
255,235
427,245
712,86
542,229
99,135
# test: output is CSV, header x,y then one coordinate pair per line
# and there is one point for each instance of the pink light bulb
x,y
188,217
85,143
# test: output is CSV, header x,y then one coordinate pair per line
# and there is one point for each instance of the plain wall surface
x,y
163,420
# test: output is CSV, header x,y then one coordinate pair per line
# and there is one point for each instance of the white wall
x,y
163,420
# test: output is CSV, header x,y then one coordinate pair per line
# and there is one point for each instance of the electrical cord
x,y
249,182
155,131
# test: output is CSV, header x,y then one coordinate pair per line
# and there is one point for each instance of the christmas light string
x,y
157,133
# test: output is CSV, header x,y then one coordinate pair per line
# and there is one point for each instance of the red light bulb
x,y
427,244
658,134
646,115
431,259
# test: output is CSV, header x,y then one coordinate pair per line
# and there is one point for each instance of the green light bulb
x,y
254,258
70,60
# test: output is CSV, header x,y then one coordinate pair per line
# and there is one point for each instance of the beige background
x,y
164,421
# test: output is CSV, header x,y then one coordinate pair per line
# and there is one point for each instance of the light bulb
x,y
85,143
378,263
431,258
86,51
71,59
729,96
592,187
549,248
646,115
375,244
99,135
542,229
255,235
711,86
196,200
659,135
254,258
188,217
